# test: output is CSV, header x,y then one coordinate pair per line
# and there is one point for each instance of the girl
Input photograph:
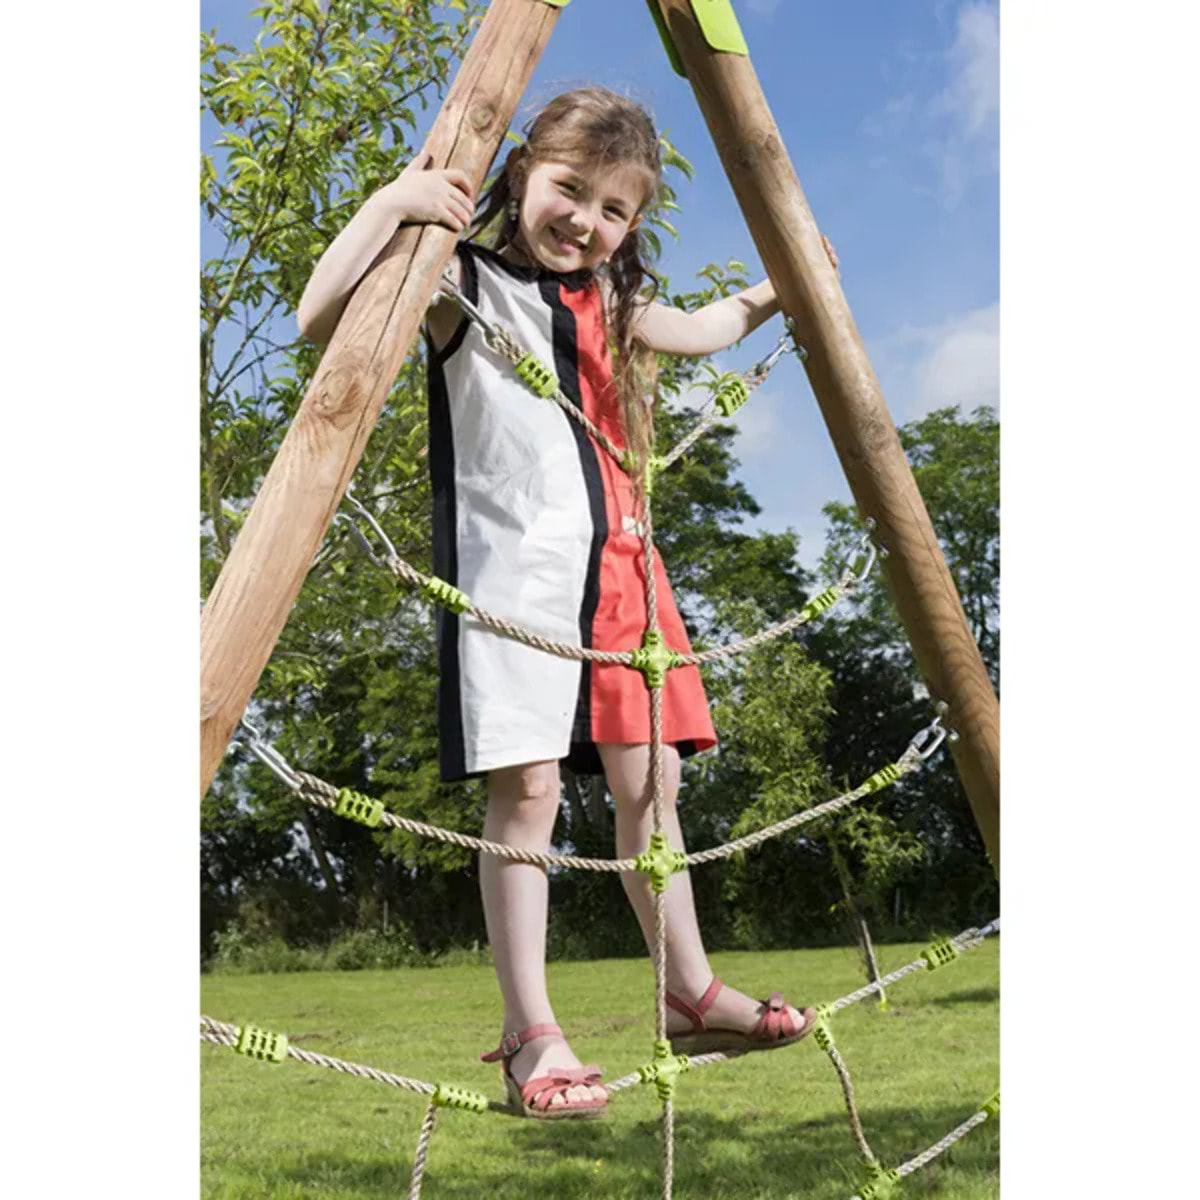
x,y
536,523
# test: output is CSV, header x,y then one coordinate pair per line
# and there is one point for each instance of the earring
x,y
513,210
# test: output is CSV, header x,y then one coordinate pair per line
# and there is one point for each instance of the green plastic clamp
x,y
660,862
818,604
262,1044
991,1105
717,22
880,1182
882,778
732,393
822,1033
537,375
441,592
939,953
665,1070
359,808
448,1095
654,660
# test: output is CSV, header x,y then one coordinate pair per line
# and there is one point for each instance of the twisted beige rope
x,y
422,1153
844,1079
227,1035
927,1156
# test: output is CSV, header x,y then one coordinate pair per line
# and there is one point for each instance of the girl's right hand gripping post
x,y
426,195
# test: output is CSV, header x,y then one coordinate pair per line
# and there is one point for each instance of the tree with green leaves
x,y
920,836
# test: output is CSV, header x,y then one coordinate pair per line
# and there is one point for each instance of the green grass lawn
x,y
764,1126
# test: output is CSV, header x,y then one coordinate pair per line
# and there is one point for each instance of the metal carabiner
x,y
862,563
761,370
360,537
270,757
921,746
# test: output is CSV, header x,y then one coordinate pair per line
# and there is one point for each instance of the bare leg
x,y
627,769
522,804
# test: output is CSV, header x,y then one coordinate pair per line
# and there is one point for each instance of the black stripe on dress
x,y
452,753
583,756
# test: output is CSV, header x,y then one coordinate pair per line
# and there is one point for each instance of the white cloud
x,y
763,8
947,114
970,102
953,363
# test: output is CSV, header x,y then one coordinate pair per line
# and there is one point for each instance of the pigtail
x,y
636,364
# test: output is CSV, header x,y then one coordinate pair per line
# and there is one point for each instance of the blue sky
x,y
890,114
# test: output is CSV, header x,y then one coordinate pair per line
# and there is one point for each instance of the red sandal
x,y
775,1026
535,1098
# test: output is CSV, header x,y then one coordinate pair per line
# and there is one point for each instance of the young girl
x,y
536,523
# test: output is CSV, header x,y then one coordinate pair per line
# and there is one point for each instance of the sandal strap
x,y
540,1092
510,1043
776,1022
696,1015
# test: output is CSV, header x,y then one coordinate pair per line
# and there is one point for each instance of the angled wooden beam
x,y
768,190
249,604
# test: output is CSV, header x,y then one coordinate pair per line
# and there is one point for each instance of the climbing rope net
x,y
659,861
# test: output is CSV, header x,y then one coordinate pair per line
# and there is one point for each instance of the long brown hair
x,y
586,127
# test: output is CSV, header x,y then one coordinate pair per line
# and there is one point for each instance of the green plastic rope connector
x,y
822,1034
262,1044
441,592
883,778
818,604
991,1105
880,1182
359,808
732,393
939,953
664,1070
660,862
654,660
447,1095
537,375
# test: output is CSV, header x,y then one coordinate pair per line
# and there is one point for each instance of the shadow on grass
x,y
983,995
751,1154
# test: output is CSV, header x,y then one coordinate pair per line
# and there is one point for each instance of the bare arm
x,y
418,194
714,327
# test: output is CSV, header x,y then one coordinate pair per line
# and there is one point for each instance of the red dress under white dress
x,y
535,522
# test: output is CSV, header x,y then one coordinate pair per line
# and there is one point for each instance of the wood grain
x,y
863,433
260,580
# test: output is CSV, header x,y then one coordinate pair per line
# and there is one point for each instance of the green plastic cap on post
x,y
448,1095
665,1070
445,594
660,862
653,659
537,375
359,808
732,393
939,953
262,1044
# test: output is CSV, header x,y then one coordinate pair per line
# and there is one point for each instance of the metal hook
x,y
922,746
360,537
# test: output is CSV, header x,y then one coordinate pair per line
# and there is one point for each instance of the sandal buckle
x,y
510,1043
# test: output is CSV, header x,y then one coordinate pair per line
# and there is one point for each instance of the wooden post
x,y
765,183
260,580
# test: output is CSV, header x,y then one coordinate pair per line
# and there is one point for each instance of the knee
x,y
531,790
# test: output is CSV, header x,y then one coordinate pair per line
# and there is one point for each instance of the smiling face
x,y
574,217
